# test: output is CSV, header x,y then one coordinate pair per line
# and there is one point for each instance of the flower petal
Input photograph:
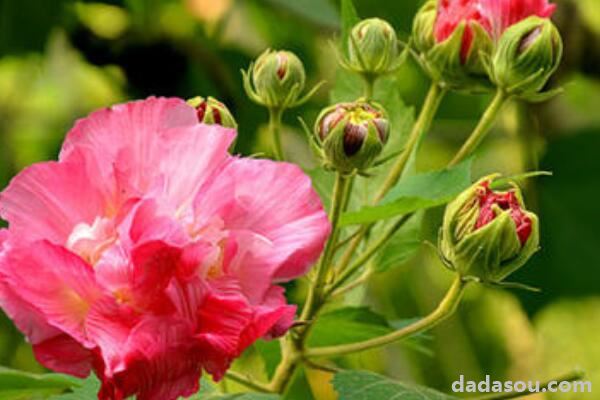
x,y
47,200
63,354
154,144
274,200
55,281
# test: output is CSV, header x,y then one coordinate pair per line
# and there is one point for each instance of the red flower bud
x,y
506,201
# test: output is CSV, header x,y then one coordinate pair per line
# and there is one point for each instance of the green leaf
x,y
270,351
347,325
349,19
87,390
359,385
416,192
16,385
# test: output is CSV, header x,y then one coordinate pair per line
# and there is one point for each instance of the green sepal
x,y
489,253
527,54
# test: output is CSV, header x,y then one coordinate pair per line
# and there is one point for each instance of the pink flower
x,y
147,253
494,16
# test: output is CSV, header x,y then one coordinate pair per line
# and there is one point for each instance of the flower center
x,y
90,241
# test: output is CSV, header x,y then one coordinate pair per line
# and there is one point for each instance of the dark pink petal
x,y
222,318
504,13
159,363
64,354
270,319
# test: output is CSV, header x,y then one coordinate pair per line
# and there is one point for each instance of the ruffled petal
x,y
159,363
47,200
55,281
270,319
273,200
64,354
151,145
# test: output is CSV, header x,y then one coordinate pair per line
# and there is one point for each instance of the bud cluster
x,y
473,45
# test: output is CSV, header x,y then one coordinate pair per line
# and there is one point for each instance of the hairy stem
x,y
447,307
482,128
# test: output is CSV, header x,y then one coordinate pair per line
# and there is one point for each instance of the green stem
x,y
369,85
368,253
292,348
275,132
247,381
422,125
290,357
315,295
482,128
447,307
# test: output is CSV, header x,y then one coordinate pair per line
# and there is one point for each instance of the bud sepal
x,y
449,61
210,111
351,136
372,49
276,80
528,53
487,235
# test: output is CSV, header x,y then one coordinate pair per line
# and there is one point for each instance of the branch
x,y
247,381
447,307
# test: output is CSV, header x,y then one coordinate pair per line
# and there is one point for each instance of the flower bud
x,y
278,78
372,47
352,135
488,234
452,41
211,111
527,55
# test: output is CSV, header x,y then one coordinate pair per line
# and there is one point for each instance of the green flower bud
x,y
278,78
352,135
423,27
372,47
527,55
211,111
455,55
488,234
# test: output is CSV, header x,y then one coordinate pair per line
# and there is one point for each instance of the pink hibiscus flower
x,y
494,16
147,253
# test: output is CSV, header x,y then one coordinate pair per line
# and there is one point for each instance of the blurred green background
x,y
61,59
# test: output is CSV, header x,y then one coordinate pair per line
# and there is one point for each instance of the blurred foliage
x,y
62,59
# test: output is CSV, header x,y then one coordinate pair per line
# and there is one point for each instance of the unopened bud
x,y
527,55
211,111
278,78
352,135
488,234
372,47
